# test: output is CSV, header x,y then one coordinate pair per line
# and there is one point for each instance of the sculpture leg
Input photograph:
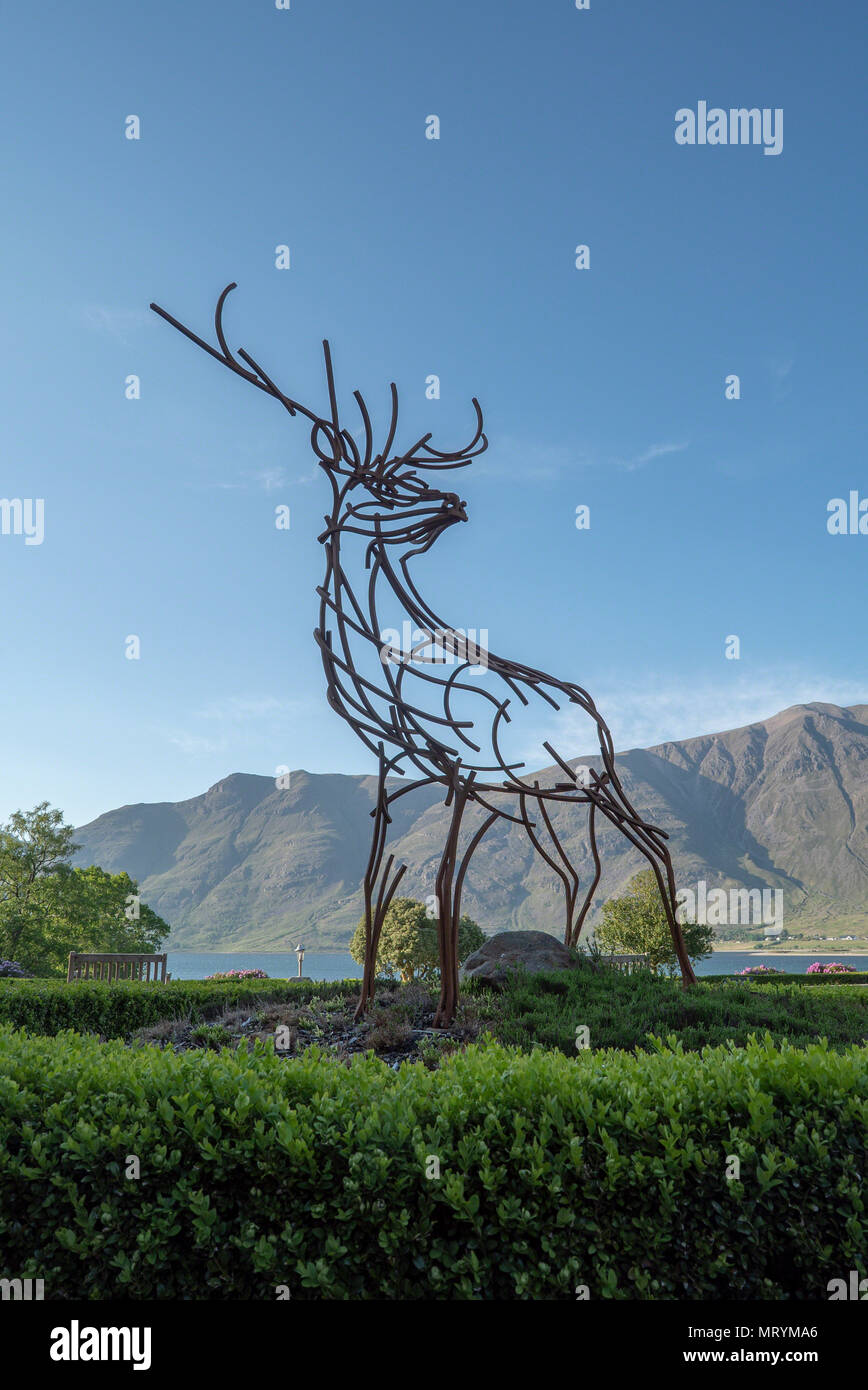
x,y
377,898
592,837
564,870
670,905
448,911
372,928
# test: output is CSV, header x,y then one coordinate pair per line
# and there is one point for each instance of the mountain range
x,y
779,804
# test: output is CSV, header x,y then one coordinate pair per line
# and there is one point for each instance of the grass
x,y
623,1011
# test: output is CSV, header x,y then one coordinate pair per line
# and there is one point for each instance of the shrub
x,y
603,1169
759,970
11,970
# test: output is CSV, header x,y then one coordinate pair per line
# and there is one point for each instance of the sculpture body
x,y
425,726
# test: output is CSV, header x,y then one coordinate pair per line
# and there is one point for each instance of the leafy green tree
x,y
408,942
98,911
34,849
636,924
48,909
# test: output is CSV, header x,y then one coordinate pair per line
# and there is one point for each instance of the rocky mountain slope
x,y
779,804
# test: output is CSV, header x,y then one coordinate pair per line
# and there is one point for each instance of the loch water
x,y
339,965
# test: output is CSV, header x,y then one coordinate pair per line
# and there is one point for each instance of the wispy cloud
x,y
654,451
534,462
228,724
268,479
509,457
116,323
780,369
232,709
657,711
194,745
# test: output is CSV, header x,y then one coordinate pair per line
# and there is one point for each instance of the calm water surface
x,y
280,965
339,965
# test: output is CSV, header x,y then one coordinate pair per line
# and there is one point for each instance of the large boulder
x,y
535,950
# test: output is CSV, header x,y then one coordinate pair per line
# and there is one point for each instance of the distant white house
x,y
776,933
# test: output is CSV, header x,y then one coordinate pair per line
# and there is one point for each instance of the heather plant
x,y
387,1032
238,975
212,1035
832,967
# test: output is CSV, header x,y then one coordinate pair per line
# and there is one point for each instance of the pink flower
x,y
239,975
832,967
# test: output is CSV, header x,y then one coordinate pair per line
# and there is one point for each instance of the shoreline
x,y
774,951
851,948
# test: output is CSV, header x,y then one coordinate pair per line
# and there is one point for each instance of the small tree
x,y
636,924
408,943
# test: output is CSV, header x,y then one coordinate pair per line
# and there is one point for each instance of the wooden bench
x,y
627,964
118,965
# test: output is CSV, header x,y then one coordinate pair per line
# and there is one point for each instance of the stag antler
x,y
341,443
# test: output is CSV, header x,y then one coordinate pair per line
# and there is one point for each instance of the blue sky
x,y
453,257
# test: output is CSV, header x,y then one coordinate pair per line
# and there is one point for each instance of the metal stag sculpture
x,y
384,507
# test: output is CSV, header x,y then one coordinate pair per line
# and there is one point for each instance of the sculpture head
x,y
403,508
403,504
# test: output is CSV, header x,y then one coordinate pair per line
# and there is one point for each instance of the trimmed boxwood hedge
x,y
858,977
605,1170
116,1010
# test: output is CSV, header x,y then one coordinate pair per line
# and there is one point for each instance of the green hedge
x,y
118,1009
605,1170
859,977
